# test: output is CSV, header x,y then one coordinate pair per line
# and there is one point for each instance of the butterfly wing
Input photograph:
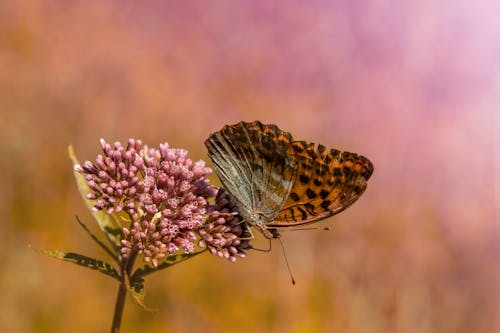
x,y
253,164
327,183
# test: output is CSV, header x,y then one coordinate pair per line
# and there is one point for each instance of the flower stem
x,y
126,268
120,304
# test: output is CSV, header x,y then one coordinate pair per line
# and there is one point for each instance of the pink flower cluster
x,y
224,233
166,195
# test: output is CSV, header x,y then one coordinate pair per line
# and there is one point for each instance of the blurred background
x,y
414,86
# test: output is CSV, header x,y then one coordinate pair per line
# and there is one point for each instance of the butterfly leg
x,y
269,233
263,250
249,231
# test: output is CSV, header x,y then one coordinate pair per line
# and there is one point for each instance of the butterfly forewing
x,y
327,182
253,164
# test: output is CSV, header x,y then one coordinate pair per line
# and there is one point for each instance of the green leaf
x,y
108,223
137,291
95,264
169,261
101,244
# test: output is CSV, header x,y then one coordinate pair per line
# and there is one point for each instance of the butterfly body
x,y
278,182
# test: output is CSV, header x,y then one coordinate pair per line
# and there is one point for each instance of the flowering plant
x,y
153,204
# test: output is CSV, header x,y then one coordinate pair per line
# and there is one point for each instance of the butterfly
x,y
278,182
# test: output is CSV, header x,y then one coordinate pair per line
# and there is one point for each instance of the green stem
x,y
127,265
120,304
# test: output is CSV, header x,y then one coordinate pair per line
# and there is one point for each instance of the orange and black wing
x,y
327,182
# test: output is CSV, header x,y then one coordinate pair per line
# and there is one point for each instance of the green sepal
x,y
168,262
107,222
79,259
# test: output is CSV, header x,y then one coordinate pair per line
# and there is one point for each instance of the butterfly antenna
x,y
309,228
286,260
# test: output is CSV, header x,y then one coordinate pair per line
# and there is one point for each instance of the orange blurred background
x,y
414,86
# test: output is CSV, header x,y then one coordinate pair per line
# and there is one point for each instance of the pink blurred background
x,y
414,86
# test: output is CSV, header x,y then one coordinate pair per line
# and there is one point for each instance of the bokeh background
x,y
412,85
